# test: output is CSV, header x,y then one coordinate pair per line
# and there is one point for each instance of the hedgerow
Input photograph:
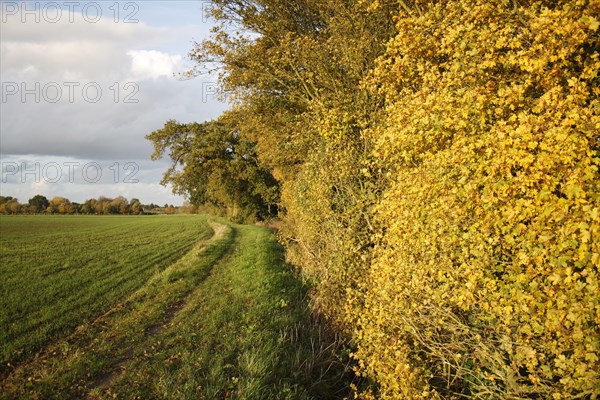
x,y
484,281
438,166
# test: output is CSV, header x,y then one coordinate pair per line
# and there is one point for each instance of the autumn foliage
x,y
438,164
484,279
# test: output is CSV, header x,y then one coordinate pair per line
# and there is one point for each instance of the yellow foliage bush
x,y
485,274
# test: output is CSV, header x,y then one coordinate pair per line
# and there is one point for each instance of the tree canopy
x,y
212,164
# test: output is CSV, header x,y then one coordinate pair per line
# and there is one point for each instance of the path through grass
x,y
227,320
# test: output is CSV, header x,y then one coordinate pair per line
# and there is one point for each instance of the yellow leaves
x,y
591,357
590,22
584,232
488,214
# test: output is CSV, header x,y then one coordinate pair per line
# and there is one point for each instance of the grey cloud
x,y
106,131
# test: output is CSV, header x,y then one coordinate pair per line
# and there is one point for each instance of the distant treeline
x,y
39,204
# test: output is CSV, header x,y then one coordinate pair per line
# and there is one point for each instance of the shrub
x,y
484,281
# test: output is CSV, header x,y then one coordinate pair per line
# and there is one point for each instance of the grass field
x,y
157,307
58,272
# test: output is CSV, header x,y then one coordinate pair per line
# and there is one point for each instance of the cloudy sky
x,y
83,82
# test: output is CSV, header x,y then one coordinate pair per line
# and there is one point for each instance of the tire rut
x,y
104,381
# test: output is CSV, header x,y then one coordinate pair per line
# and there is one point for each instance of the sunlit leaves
x,y
488,227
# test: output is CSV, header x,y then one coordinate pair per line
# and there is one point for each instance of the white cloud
x,y
153,64
82,50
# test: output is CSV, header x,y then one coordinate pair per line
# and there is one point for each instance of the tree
x,y
294,76
12,206
119,205
38,203
6,199
106,206
211,164
88,207
136,207
60,205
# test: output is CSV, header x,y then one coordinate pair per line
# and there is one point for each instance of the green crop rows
x,y
58,272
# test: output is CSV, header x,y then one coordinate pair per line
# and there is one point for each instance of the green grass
x,y
226,320
60,271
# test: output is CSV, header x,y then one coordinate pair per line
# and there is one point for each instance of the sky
x,y
83,82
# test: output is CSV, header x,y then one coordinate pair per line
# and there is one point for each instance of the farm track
x,y
227,320
109,330
103,381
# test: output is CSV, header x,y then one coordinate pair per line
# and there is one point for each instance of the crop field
x,y
58,272
156,307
